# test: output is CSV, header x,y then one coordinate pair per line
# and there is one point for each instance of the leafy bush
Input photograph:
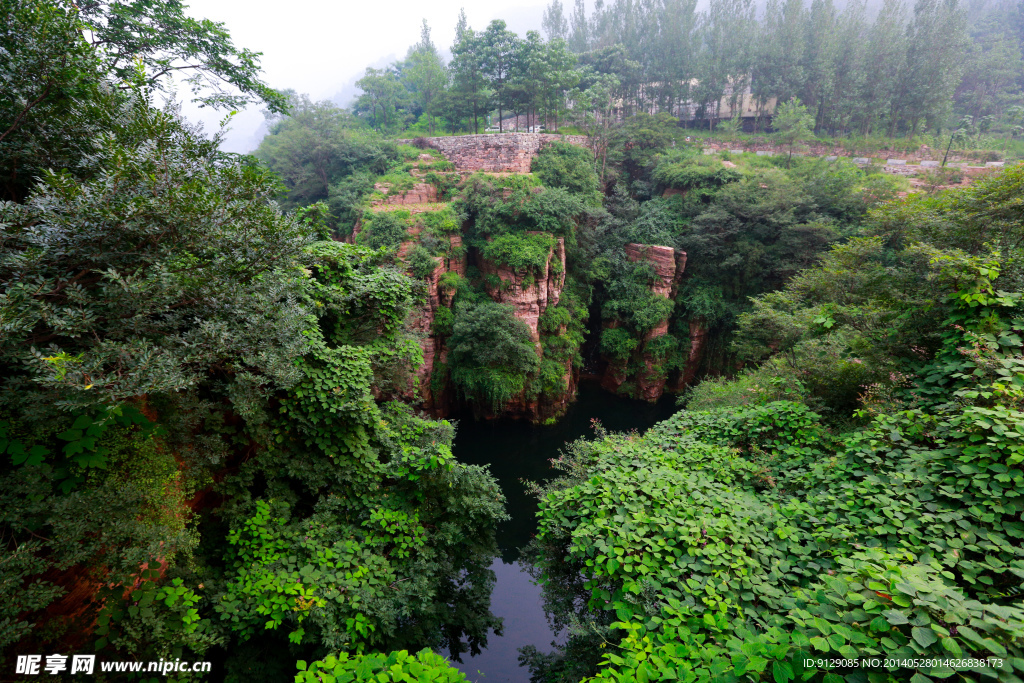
x,y
446,184
444,322
384,229
567,166
752,387
702,175
515,204
421,263
399,667
750,541
490,353
631,301
529,253
618,343
444,220
397,182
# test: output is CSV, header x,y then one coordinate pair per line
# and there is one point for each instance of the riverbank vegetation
x,y
854,494
194,463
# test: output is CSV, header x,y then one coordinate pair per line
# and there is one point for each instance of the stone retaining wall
x,y
497,153
818,149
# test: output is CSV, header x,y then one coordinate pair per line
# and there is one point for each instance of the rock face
x,y
668,264
529,296
435,399
500,153
421,193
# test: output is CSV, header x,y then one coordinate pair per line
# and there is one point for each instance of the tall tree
x,y
426,76
158,36
884,60
579,32
792,123
470,94
936,41
499,49
818,62
555,25
383,95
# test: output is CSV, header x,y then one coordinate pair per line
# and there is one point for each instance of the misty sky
x,y
321,47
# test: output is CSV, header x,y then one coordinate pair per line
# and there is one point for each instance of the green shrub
x,y
397,182
618,343
421,263
387,229
552,377
490,353
395,667
752,387
702,174
444,322
450,282
567,166
444,220
519,251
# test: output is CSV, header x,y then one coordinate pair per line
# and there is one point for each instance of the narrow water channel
x,y
517,451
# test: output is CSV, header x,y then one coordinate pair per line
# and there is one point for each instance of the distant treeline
x,y
903,70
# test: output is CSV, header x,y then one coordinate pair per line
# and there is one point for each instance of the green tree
x,y
568,166
792,123
52,104
320,155
498,49
470,90
594,111
427,76
383,97
158,37
490,353
555,25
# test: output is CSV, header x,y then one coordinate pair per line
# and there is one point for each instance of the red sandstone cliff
x,y
668,265
530,299
530,294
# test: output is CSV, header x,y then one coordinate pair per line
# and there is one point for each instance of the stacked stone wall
x,y
497,153
819,149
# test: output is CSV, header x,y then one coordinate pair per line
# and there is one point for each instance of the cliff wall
x,y
530,297
645,369
528,294
497,153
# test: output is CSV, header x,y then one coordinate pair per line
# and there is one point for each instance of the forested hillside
x,y
897,69
229,384
194,463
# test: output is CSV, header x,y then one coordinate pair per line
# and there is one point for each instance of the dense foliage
x,y
194,463
754,539
209,406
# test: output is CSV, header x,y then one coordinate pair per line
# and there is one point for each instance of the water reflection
x,y
517,451
516,600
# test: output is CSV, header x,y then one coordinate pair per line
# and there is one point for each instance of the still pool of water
x,y
516,451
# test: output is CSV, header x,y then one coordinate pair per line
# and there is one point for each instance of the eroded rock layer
x,y
645,373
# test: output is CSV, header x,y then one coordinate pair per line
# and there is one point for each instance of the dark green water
x,y
516,451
